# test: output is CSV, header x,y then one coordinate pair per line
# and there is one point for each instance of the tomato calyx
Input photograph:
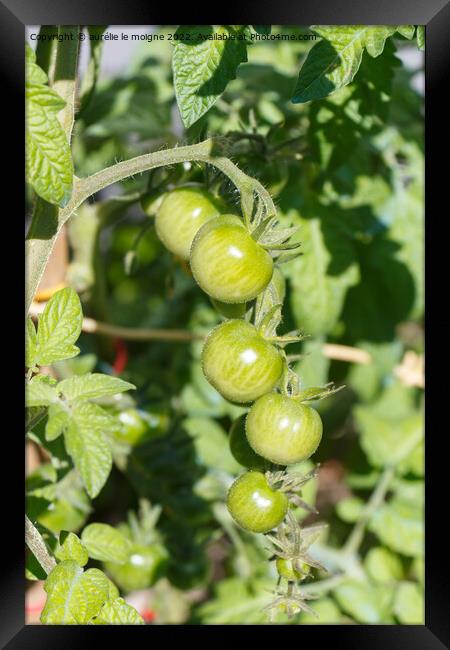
x,y
275,240
290,601
290,387
291,542
290,484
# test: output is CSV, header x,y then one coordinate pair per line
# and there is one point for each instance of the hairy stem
x,y
42,235
37,546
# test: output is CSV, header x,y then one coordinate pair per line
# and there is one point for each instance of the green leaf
x,y
30,343
48,159
350,509
382,565
327,612
262,29
74,596
40,392
318,293
420,36
106,543
72,549
57,421
414,463
399,525
364,602
87,445
334,61
92,386
406,30
390,429
59,327
409,604
203,68
313,368
235,601
118,612
76,366
211,444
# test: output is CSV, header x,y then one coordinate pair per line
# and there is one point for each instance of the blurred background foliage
x,y
348,169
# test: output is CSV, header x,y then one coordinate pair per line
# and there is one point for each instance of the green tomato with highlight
x,y
255,505
181,214
140,426
145,565
239,363
240,448
227,263
282,429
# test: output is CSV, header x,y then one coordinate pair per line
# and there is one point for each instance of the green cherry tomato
x,y
141,426
133,427
283,430
227,263
240,448
239,363
181,214
286,570
254,505
145,565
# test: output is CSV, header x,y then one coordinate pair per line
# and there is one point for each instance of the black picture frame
x,y
435,14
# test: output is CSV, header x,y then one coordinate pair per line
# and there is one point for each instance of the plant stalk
x,y
37,546
43,232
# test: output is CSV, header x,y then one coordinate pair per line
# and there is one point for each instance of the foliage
x,y
332,128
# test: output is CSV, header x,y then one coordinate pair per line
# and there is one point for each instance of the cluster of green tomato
x,y
240,362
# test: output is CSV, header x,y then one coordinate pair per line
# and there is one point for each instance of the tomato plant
x,y
191,302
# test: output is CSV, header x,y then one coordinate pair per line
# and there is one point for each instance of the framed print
x,y
224,286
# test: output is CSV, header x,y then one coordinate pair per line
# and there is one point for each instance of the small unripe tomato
x,y
181,214
145,565
141,426
254,505
227,263
240,448
283,430
239,363
286,570
133,427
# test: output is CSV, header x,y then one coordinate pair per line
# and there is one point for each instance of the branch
x,y
92,326
346,353
43,231
37,546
